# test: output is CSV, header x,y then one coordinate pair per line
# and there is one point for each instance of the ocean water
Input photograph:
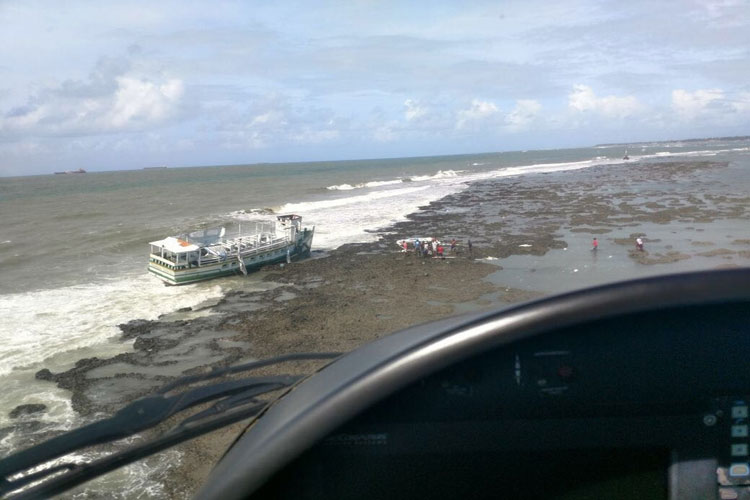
x,y
73,248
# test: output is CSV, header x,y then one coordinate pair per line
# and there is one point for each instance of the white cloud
x,y
478,112
243,139
414,110
583,99
139,101
385,133
274,120
255,132
314,136
75,108
523,114
742,103
726,11
691,105
271,118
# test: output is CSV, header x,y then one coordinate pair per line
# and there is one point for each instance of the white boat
x,y
209,253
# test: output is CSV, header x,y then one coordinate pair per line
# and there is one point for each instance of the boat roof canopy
x,y
175,245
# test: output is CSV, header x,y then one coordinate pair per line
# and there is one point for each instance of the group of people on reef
x,y
432,247
638,244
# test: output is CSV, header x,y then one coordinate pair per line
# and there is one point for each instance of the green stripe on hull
x,y
193,278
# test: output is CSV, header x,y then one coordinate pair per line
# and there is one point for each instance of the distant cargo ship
x,y
79,171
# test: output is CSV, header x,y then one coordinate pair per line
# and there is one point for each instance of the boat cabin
x,y
175,253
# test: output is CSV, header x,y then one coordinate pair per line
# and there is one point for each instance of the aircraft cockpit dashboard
x,y
634,390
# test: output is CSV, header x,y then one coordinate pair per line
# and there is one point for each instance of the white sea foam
x,y
371,184
441,174
341,187
353,218
254,214
345,220
43,324
54,328
700,152
538,168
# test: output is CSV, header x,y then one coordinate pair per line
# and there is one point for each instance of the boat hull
x,y
231,266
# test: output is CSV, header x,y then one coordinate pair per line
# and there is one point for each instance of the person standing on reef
x,y
639,243
417,248
471,252
594,245
453,245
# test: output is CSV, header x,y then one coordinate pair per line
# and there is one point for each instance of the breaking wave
x,y
371,184
441,174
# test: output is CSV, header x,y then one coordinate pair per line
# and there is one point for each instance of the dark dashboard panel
x,y
666,362
603,408
636,389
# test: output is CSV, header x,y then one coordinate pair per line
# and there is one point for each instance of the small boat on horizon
x,y
78,171
207,254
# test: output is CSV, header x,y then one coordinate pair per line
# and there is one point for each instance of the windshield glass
x,y
441,159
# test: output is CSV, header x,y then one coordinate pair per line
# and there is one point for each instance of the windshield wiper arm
x,y
137,416
252,365
145,413
80,473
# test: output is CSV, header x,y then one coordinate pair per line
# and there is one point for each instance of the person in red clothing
x,y
440,251
594,245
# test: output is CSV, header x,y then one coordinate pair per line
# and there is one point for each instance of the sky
x,y
133,84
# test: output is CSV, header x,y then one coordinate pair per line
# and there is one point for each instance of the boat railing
x,y
251,245
170,264
245,246
161,260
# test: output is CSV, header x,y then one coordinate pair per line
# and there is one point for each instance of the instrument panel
x,y
636,402
637,389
